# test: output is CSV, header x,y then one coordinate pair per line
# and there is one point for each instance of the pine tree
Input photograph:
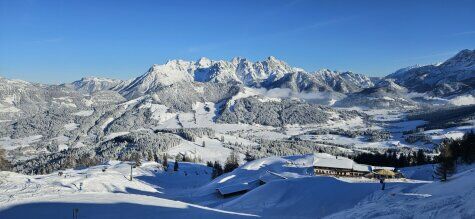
x,y
209,164
468,147
446,166
165,162
232,162
155,158
175,166
217,170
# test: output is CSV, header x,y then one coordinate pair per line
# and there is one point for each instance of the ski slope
x,y
191,193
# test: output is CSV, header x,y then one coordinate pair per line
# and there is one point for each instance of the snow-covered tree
x,y
232,162
249,157
4,163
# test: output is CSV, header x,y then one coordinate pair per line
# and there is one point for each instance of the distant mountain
x,y
385,94
456,76
344,82
270,73
179,84
93,84
20,98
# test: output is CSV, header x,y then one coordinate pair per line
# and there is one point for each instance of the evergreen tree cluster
x,y
463,149
453,152
232,162
190,134
217,169
393,159
372,135
439,118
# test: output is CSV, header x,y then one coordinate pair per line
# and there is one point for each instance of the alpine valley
x,y
203,110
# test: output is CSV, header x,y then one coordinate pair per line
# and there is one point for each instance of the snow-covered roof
x,y
330,161
382,168
233,188
239,187
385,172
361,167
271,176
334,163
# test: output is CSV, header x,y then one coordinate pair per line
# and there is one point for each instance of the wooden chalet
x,y
326,164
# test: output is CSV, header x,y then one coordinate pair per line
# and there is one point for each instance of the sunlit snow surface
x,y
190,193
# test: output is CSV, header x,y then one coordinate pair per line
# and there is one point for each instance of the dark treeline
x,y
392,159
453,152
443,117
232,162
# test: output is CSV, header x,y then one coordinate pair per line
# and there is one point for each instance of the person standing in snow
x,y
382,183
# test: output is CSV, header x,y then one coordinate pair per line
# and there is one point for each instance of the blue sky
x,y
54,41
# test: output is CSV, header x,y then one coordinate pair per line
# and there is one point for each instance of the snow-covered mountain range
x,y
270,73
453,77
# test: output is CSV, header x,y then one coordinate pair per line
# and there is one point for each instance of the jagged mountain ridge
x,y
452,78
270,73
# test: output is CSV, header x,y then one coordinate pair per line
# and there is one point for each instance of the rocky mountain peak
x,y
204,62
464,60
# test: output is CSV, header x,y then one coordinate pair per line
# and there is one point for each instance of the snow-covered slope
x,y
105,191
232,98
385,94
158,76
104,194
453,77
451,199
94,84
